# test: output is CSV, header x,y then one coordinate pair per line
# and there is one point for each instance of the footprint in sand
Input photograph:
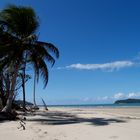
x,y
113,137
38,130
45,132
42,134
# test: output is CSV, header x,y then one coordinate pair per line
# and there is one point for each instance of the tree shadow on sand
x,y
61,118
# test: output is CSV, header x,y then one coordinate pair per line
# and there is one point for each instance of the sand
x,y
76,124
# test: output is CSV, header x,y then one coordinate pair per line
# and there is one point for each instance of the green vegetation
x,y
19,46
127,101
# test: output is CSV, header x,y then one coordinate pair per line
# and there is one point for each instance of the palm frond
x,y
20,20
40,67
42,52
33,60
43,71
50,47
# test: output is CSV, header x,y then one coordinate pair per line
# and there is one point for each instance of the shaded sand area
x,y
76,124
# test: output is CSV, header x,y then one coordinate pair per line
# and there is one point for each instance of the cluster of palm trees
x,y
20,48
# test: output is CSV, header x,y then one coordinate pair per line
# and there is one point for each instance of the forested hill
x,y
127,101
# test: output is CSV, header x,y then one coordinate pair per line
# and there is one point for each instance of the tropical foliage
x,y
19,45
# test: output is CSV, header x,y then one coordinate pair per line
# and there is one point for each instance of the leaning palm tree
x,y
18,25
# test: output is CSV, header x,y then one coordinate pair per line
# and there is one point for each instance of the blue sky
x,y
99,44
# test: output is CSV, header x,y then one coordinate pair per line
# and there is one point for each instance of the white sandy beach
x,y
76,124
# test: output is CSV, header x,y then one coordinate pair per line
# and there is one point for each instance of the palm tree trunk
x,y
23,87
34,101
23,76
8,106
1,87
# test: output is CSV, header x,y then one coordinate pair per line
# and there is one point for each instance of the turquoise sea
x,y
98,105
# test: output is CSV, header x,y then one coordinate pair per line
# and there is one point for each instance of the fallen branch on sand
x,y
46,108
22,123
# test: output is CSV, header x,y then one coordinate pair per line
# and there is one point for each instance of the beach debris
x,y
22,123
46,108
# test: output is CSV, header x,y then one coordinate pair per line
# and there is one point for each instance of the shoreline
x,y
91,107
97,105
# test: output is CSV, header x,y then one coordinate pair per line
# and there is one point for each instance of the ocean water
x,y
98,105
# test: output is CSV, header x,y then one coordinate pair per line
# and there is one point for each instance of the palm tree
x,y
34,90
23,77
18,25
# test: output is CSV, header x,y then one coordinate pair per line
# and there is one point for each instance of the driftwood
x,y
8,116
22,123
44,104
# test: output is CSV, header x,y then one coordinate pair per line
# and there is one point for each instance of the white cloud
x,y
124,95
133,95
105,66
95,99
86,99
110,99
119,96
105,98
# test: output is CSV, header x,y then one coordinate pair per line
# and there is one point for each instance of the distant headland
x,y
126,101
